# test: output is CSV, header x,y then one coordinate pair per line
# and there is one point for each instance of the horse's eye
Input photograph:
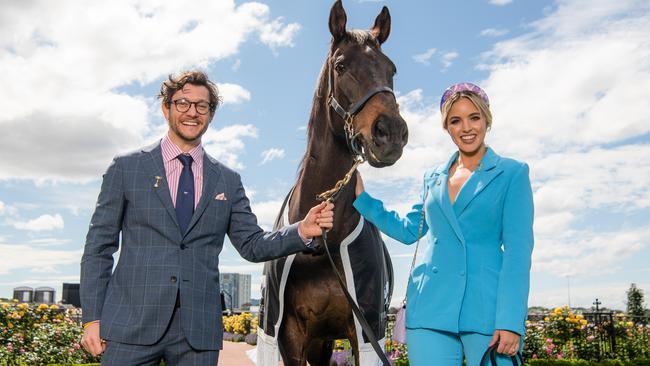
x,y
340,68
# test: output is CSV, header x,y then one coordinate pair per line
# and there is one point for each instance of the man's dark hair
x,y
194,77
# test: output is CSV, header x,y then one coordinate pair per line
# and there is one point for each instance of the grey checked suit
x,y
135,303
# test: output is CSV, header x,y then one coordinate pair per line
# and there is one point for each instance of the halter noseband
x,y
348,117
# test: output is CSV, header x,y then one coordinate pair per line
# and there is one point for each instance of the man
x,y
172,204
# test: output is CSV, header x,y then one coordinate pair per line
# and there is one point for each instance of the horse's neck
x,y
328,160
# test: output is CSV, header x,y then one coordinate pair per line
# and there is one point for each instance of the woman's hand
x,y
358,189
508,342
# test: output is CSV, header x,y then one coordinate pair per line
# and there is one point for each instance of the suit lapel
x,y
486,171
156,169
445,205
442,198
211,174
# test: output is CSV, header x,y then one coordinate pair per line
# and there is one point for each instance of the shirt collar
x,y
170,151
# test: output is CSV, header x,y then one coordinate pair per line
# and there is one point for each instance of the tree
x,y
635,305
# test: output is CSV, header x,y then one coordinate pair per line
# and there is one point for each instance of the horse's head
x,y
361,83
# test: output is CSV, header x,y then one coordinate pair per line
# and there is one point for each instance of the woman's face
x,y
466,126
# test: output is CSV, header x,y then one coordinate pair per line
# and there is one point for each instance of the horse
x,y
354,115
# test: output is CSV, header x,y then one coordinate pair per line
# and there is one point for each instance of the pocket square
x,y
220,197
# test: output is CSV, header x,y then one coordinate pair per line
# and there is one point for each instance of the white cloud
x,y
266,212
271,154
447,59
275,34
50,241
250,268
236,65
500,2
493,32
425,57
610,294
233,93
26,257
227,143
81,57
41,223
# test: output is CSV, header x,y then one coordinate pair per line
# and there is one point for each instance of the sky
x,y
568,80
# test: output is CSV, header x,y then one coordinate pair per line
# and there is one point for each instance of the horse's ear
x,y
381,29
338,19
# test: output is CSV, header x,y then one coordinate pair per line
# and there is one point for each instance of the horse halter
x,y
348,116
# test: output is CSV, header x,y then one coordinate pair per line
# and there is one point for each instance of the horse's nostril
x,y
380,132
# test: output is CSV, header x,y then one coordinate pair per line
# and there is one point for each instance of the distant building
x,y
44,295
24,294
71,294
237,290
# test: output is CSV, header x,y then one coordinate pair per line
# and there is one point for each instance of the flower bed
x,y
240,328
39,335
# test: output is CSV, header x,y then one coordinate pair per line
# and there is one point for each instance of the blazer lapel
x,y
211,174
486,171
159,184
442,196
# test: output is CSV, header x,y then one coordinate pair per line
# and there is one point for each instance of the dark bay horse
x,y
359,77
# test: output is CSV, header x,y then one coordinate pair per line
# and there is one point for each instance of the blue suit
x,y
464,280
136,302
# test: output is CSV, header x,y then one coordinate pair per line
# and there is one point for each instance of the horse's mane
x,y
360,37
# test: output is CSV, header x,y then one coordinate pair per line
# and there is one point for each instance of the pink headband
x,y
460,87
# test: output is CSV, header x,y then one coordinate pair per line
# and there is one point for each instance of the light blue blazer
x,y
473,272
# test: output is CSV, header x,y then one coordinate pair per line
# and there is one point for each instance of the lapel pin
x,y
158,178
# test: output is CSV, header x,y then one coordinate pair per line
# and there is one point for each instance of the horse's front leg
x,y
319,352
292,341
352,337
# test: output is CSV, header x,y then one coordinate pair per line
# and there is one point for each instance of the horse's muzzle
x,y
389,136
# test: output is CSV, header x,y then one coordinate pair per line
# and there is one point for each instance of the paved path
x,y
234,353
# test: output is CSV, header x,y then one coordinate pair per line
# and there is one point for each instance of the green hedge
x,y
637,362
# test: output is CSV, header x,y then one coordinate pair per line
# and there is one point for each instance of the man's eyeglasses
x,y
183,105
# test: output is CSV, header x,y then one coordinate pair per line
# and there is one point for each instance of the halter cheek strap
x,y
348,116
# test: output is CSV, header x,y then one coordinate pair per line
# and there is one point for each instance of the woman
x,y
470,289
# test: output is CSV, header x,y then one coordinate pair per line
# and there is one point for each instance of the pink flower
x,y
534,355
77,346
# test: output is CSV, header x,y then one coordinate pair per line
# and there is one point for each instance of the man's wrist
x,y
305,239
87,324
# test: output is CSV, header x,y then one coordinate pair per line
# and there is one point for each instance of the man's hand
x,y
91,340
358,189
318,218
508,342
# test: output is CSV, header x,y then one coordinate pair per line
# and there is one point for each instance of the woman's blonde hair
x,y
475,99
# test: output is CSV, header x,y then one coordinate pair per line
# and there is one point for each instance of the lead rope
x,y
330,196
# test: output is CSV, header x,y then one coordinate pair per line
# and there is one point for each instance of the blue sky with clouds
x,y
569,82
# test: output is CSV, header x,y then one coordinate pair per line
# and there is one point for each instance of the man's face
x,y
188,127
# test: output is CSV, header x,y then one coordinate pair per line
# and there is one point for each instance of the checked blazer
x,y
135,300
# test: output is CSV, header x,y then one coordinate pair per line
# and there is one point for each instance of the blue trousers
x,y
431,347
173,348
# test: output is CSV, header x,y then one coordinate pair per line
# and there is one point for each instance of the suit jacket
x,y
474,274
135,302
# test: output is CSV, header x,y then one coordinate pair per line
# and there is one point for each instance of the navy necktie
x,y
185,193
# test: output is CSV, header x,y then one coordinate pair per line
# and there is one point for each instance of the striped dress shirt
x,y
174,167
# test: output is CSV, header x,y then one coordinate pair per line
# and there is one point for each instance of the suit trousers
x,y
433,347
172,347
